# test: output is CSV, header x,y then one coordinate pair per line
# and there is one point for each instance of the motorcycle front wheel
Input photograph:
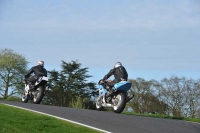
x,y
24,98
38,95
99,104
119,102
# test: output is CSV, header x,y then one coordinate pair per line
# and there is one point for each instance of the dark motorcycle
x,y
36,94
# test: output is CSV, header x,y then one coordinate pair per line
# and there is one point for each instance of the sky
x,y
153,39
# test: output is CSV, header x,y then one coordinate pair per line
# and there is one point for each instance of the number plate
x,y
45,78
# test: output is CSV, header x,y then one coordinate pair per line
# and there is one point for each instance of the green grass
x,y
164,116
14,120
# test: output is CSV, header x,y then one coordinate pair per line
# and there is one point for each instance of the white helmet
x,y
41,63
117,64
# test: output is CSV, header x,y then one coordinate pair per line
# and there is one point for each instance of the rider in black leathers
x,y
38,71
119,73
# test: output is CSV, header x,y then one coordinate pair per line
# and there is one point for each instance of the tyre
x,y
38,95
99,104
119,102
24,98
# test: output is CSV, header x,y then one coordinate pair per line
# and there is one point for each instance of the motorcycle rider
x,y
38,71
119,73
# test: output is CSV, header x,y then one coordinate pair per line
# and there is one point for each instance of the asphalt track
x,y
112,122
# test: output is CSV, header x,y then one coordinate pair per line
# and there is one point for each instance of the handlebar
x,y
102,82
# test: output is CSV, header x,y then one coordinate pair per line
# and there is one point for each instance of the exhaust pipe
x,y
129,98
46,90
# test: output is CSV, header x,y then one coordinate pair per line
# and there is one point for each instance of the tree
x,y
173,92
145,99
192,99
70,83
12,69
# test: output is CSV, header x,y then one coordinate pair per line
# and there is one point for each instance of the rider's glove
x,y
101,81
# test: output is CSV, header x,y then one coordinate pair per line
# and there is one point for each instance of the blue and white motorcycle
x,y
117,100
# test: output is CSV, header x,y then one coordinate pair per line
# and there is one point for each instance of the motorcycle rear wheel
x,y
119,103
39,93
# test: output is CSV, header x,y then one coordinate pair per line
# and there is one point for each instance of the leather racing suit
x,y
38,72
119,73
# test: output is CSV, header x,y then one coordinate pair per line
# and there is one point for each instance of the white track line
x,y
61,119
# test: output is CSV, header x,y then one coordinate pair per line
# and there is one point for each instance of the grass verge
x,y
164,116
14,120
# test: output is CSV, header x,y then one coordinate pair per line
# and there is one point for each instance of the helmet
x,y
41,63
117,64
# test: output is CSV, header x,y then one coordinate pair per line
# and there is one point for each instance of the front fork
x,y
26,89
